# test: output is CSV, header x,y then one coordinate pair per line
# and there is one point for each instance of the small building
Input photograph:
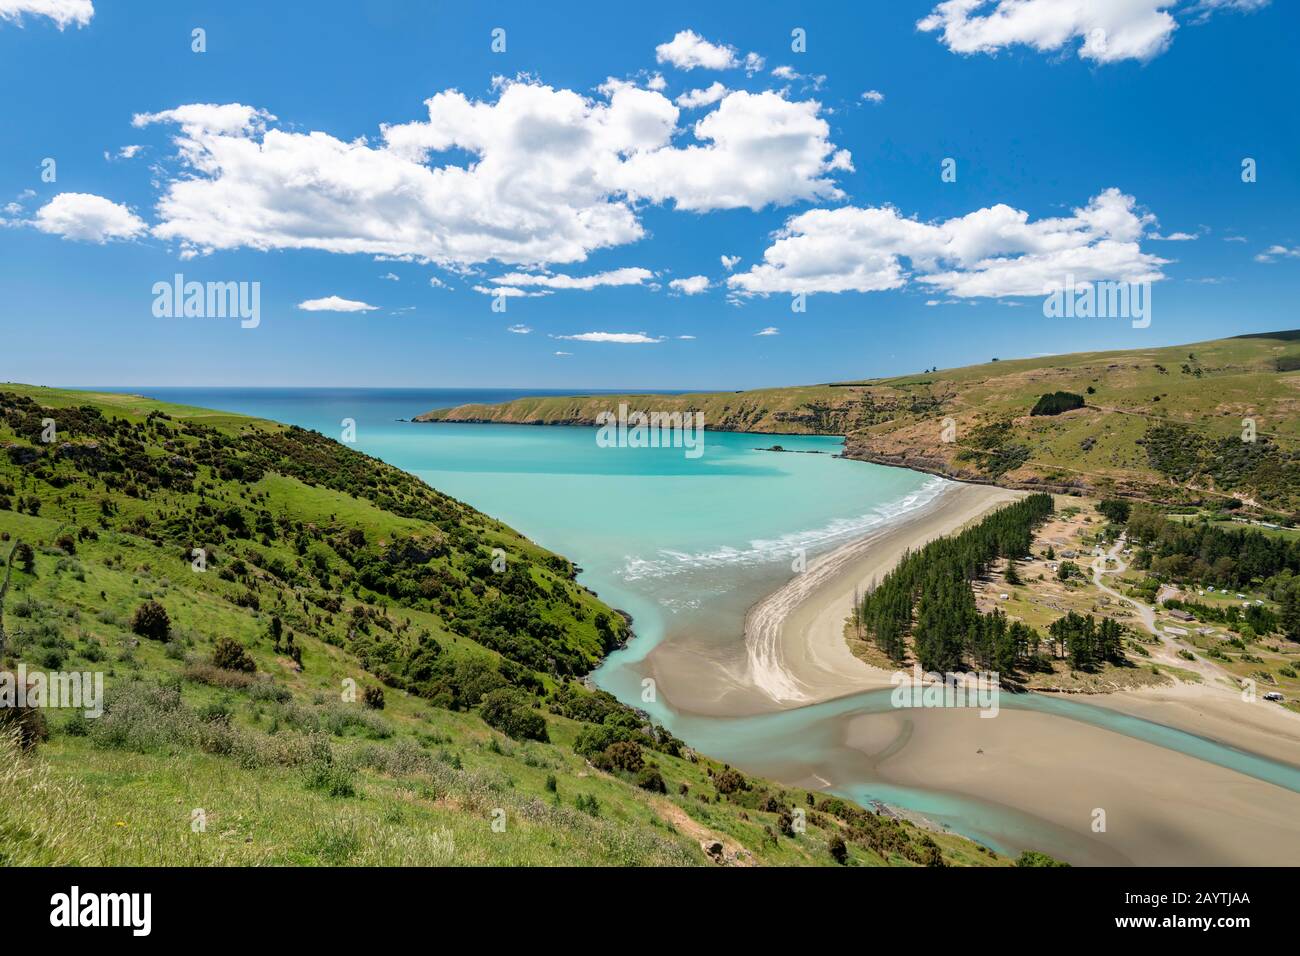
x,y
1181,615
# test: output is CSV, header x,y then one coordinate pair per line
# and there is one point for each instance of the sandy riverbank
x,y
1161,807
794,638
1258,726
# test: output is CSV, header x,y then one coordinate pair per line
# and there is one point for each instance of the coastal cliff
x,y
1162,424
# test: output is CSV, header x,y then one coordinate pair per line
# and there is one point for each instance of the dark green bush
x,y
839,852
510,711
624,755
229,654
651,779
1057,402
150,620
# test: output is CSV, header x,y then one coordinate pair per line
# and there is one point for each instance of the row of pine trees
x,y
928,599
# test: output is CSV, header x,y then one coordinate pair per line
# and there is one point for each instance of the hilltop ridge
x,y
1164,424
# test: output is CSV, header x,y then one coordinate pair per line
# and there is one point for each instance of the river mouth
x,y
687,547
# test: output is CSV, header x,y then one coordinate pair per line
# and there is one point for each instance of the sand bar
x,y
794,638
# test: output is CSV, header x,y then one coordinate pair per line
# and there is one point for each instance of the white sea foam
x,y
666,562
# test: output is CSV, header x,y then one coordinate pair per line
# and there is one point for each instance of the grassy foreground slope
x,y
356,669
1160,423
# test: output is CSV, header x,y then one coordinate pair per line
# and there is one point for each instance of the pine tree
x,y
1291,612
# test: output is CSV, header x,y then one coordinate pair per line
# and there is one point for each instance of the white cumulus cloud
x,y
1275,252
508,292
691,285
619,338
615,277
688,49
1109,30
88,217
334,303
762,149
1106,30
64,13
692,99
991,252
552,175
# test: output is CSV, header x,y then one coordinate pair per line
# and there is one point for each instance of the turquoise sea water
x,y
685,543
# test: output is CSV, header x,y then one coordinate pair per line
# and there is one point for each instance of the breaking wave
x,y
666,563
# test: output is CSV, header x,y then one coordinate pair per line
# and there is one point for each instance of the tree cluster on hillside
x,y
927,597
1205,552
1087,643
1055,403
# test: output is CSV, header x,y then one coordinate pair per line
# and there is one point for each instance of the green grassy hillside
x,y
361,670
1161,423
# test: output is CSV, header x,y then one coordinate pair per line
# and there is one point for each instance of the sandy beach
x,y
794,638
794,653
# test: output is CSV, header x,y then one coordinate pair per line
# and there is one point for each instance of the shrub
x,y
150,620
77,725
595,739
269,691
25,557
26,724
229,654
49,658
373,697
785,822
338,718
510,711
624,755
215,712
730,781
651,779
203,672
144,717
839,852
326,774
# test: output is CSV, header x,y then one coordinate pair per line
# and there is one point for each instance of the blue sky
x,y
1077,151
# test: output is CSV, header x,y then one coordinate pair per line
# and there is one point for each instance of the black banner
x,y
338,905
